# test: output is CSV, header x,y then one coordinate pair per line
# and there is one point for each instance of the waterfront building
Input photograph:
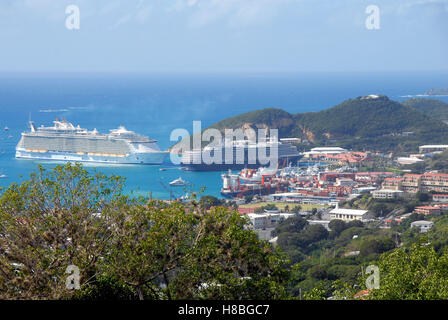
x,y
324,151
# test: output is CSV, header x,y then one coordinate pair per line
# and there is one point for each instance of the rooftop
x,y
422,223
348,211
429,146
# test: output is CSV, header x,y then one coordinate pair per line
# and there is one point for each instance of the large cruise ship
x,y
194,159
65,142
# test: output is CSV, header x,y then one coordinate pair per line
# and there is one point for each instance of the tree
x,y
315,232
415,274
376,246
56,219
126,247
172,253
355,223
422,196
337,226
293,224
210,201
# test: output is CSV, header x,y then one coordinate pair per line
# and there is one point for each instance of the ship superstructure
x,y
243,154
65,142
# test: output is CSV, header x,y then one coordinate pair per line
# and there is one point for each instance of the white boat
x,y
6,128
178,182
3,176
65,142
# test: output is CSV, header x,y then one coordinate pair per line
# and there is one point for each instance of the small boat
x,y
2,176
162,169
177,182
6,128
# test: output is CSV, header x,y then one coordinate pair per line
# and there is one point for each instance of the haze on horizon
x,y
223,36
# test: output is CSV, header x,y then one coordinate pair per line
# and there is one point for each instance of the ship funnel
x,y
32,127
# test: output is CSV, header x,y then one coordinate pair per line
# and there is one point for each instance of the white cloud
x,y
143,14
110,7
122,20
232,12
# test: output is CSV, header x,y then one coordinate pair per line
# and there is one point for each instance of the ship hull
x,y
149,158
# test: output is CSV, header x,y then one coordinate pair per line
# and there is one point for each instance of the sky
x,y
206,36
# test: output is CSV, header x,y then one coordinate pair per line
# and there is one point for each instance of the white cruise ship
x,y
65,142
242,154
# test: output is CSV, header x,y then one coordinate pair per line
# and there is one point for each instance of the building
x,y
434,182
408,160
343,158
440,197
411,183
291,140
392,183
432,148
347,214
344,182
387,194
428,210
267,220
325,150
333,176
423,225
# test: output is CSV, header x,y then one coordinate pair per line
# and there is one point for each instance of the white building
x,y
325,150
387,194
344,182
440,197
267,220
405,160
432,148
347,214
423,225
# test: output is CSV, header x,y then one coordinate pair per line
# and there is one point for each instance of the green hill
x,y
263,118
433,108
376,123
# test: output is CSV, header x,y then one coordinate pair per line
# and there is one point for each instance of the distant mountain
x,y
437,91
371,122
433,108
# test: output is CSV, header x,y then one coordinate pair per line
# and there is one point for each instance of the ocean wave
x,y
53,110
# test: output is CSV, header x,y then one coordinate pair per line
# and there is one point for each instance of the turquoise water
x,y
154,105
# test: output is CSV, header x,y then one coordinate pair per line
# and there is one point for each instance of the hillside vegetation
x,y
432,108
361,123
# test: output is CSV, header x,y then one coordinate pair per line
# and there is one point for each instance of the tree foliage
x,y
126,247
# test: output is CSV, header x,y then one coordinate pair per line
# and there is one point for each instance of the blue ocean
x,y
156,104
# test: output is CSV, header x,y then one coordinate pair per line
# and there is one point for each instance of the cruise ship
x,y
194,159
65,142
